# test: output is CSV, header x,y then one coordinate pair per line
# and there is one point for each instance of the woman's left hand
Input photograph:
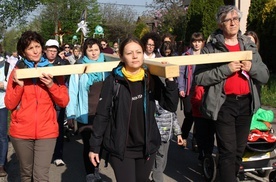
x,y
47,79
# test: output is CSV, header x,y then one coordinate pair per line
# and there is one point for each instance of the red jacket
x,y
33,108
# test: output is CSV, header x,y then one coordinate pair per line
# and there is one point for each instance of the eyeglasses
x,y
150,45
66,47
53,51
234,19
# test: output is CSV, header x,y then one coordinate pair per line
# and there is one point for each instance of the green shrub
x,y
268,93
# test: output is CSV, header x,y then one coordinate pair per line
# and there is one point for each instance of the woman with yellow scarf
x,y
124,121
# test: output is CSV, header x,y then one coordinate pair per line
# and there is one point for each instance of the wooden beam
x,y
155,66
206,58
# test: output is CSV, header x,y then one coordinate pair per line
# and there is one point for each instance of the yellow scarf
x,y
137,77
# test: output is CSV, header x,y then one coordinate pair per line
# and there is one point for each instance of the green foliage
x,y
194,19
209,24
67,15
268,93
141,29
201,17
10,41
12,11
255,12
262,20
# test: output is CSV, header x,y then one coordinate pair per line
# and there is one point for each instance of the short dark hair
x,y
127,41
196,36
88,43
166,46
26,39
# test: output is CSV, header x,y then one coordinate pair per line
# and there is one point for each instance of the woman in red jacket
x,y
34,127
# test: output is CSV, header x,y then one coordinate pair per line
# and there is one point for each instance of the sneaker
x,y
3,173
59,162
93,178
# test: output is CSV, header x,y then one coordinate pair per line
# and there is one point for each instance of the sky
x,y
138,5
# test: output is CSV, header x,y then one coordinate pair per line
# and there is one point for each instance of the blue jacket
x,y
78,107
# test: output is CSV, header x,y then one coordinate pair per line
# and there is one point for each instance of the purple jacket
x,y
182,80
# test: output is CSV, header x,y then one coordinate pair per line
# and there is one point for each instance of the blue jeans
x,y
3,135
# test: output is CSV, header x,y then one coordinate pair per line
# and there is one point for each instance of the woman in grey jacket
x,y
230,90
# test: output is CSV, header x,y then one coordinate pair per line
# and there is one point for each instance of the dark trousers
x,y
205,131
58,153
3,136
132,170
85,135
188,120
232,128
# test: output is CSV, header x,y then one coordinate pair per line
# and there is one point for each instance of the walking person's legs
x,y
24,150
143,167
160,162
43,152
3,140
188,118
58,153
85,132
232,129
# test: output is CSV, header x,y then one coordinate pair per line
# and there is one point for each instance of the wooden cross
x,y
156,67
60,33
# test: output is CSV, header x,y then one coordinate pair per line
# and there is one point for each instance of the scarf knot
x,y
93,77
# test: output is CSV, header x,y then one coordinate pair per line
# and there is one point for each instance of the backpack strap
x,y
20,64
116,88
6,69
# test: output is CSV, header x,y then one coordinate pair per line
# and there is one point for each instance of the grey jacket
x,y
167,123
213,76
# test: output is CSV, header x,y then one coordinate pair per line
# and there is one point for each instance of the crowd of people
x,y
129,112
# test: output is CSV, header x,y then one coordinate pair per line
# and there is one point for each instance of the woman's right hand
x,y
182,93
94,158
16,80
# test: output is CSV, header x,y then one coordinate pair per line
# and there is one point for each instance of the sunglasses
x,y
66,47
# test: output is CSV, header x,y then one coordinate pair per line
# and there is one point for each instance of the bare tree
x,y
118,22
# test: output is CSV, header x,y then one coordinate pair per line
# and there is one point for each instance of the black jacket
x,y
111,124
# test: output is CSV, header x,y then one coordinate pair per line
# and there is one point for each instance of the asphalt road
x,y
182,164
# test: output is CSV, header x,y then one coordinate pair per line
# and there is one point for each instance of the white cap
x,y
52,42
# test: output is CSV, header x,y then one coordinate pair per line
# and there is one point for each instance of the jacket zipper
x,y
128,119
36,107
146,118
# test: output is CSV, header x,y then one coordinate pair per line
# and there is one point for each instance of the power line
x,y
134,5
